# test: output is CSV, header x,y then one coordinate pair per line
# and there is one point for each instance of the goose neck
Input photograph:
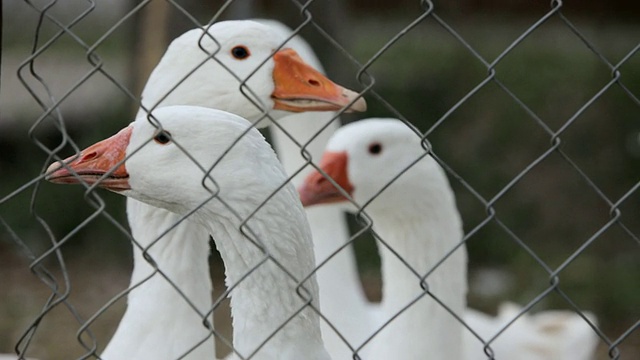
x,y
264,264
418,247
175,299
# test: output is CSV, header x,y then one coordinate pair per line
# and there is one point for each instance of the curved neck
x,y
159,321
422,238
263,271
338,279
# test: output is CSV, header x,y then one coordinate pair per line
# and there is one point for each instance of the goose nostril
x,y
320,180
89,156
313,82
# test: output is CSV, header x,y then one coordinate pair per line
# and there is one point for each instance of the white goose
x,y
270,319
284,83
417,217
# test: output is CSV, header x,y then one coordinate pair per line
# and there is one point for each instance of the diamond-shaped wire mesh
x,y
534,120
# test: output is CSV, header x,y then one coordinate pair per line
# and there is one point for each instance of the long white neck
x,y
159,322
422,238
270,319
340,287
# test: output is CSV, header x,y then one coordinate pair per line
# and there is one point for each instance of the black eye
x,y
375,148
162,137
240,52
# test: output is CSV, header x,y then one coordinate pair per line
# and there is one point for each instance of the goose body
x,y
267,249
196,70
12,357
417,218
547,335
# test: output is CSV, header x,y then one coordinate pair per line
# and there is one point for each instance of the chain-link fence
x,y
534,120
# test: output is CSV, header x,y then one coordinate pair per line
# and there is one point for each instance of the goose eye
x,y
162,137
240,52
375,148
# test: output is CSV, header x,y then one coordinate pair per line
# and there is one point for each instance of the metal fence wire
x,y
566,142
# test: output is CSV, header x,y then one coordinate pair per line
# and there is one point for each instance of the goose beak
x,y
317,189
299,87
101,163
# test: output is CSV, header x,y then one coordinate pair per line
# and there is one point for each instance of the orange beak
x,y
317,189
299,87
105,158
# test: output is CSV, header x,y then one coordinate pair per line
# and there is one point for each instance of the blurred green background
x,y
488,140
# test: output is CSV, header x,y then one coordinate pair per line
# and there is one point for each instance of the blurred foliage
x,y
61,210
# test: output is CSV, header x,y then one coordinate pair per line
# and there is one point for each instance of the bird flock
x,y
192,164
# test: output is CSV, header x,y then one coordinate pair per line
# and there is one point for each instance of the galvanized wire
x,y
52,114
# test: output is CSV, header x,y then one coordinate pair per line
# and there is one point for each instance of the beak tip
x,y
360,105
51,169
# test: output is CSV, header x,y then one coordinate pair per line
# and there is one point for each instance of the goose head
x,y
236,66
378,163
171,167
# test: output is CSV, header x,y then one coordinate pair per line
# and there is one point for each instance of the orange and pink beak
x,y
101,163
317,189
299,87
